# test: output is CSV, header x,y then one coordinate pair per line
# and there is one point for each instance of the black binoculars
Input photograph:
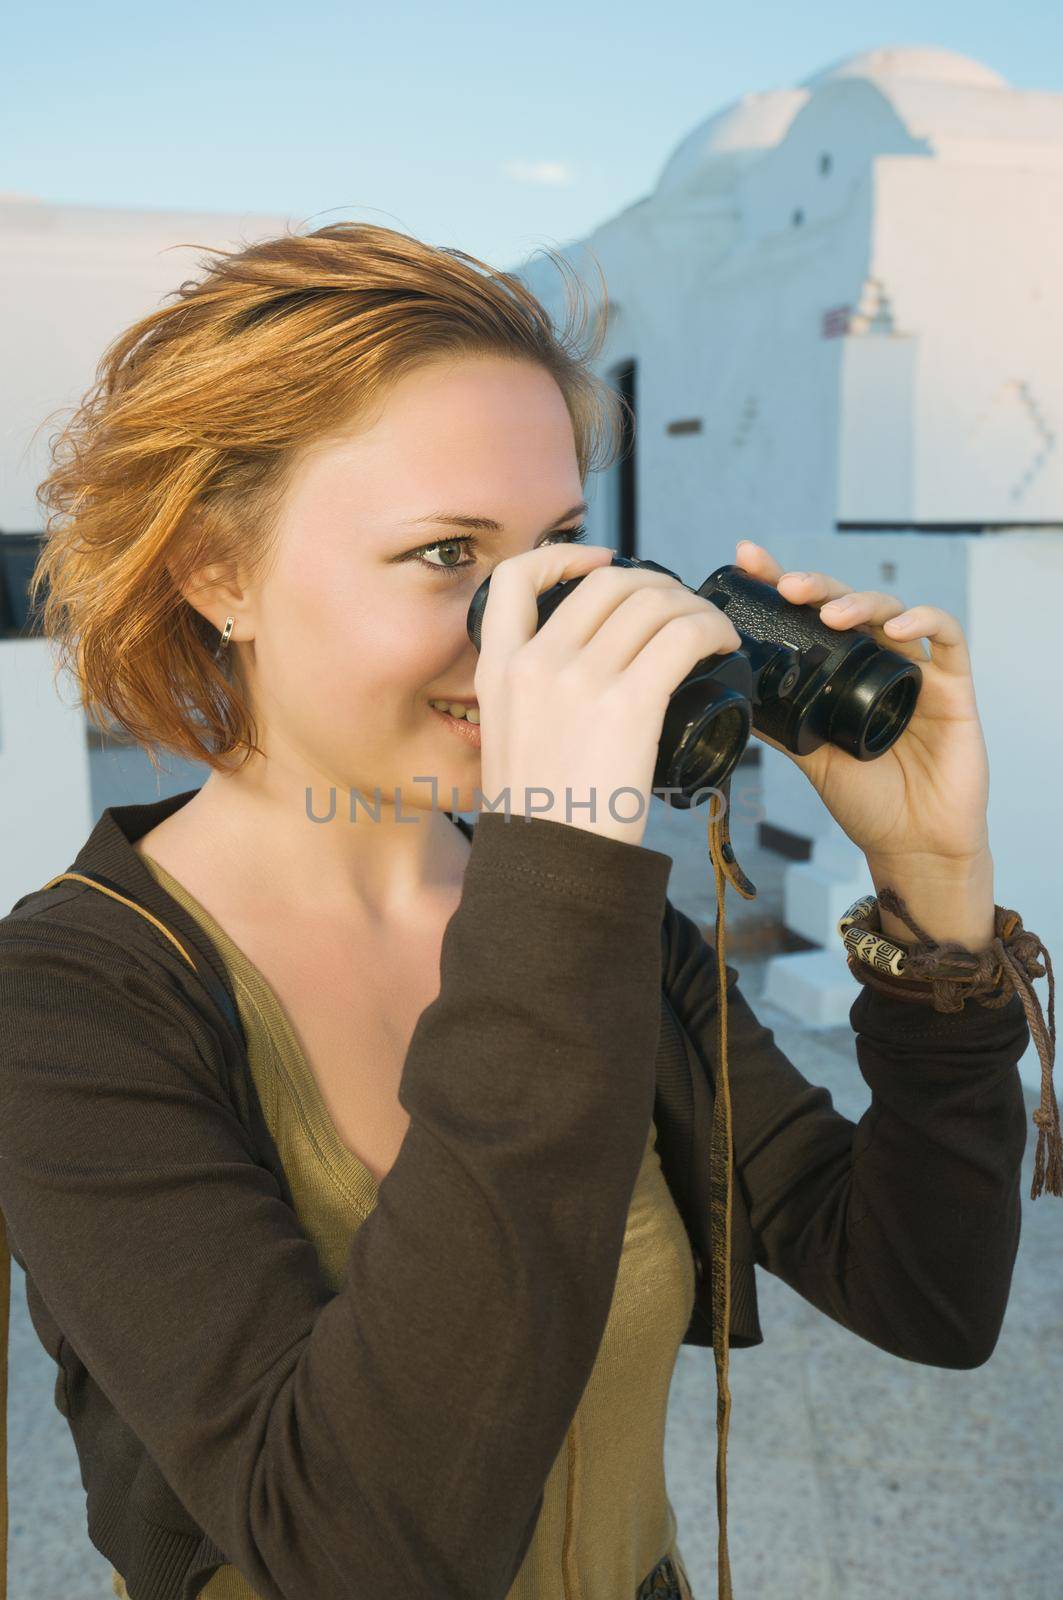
x,y
793,678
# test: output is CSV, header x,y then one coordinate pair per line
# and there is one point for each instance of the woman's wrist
x,y
951,901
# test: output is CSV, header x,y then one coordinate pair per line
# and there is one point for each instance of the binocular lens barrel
x,y
874,705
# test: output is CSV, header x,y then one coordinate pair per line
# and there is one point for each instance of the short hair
x,y
179,453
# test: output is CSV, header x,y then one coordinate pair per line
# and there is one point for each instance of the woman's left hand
x,y
928,794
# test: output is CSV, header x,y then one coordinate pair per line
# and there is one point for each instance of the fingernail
x,y
794,575
841,604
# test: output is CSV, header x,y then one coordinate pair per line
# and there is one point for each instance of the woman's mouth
x,y
458,720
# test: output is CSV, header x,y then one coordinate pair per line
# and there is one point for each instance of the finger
x,y
942,632
579,621
861,605
641,615
800,588
661,653
867,611
812,588
903,629
758,562
511,615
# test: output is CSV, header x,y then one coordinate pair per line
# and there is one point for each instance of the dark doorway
x,y
19,553
627,528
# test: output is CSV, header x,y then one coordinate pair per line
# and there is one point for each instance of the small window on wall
x,y
825,164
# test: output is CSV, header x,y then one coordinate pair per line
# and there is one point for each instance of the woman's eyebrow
x,y
487,524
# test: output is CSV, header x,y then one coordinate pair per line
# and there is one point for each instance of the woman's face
x,y
358,625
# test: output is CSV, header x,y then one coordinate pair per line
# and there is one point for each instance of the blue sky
x,y
481,125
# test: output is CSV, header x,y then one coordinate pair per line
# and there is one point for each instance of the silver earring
x,y
230,623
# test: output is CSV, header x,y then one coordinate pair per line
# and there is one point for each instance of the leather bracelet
x,y
945,974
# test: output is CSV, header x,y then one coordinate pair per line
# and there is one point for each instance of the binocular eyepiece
x,y
793,678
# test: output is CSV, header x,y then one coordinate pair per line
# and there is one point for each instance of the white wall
x,y
79,275
973,261
45,813
1014,586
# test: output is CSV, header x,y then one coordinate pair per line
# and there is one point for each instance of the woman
x,y
394,1296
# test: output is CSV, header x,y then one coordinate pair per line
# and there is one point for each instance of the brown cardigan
x,y
403,1428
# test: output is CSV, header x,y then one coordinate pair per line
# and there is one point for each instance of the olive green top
x,y
606,1518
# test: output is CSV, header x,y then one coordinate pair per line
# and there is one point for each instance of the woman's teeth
x,y
470,713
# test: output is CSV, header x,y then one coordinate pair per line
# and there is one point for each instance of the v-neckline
x,y
348,1171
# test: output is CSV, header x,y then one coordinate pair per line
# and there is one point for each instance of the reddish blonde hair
x,y
179,454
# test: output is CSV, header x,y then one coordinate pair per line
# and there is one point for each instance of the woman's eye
x,y
573,535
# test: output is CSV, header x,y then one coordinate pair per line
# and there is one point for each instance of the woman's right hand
x,y
580,703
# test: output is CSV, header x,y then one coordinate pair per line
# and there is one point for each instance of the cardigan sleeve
x,y
406,1424
903,1226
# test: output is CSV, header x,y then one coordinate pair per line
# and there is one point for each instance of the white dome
x,y
728,140
914,63
754,123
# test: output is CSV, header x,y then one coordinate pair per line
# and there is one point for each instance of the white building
x,y
73,277
840,318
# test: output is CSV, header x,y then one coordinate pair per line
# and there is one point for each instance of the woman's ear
x,y
216,593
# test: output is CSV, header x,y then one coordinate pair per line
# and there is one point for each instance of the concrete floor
x,y
852,1475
